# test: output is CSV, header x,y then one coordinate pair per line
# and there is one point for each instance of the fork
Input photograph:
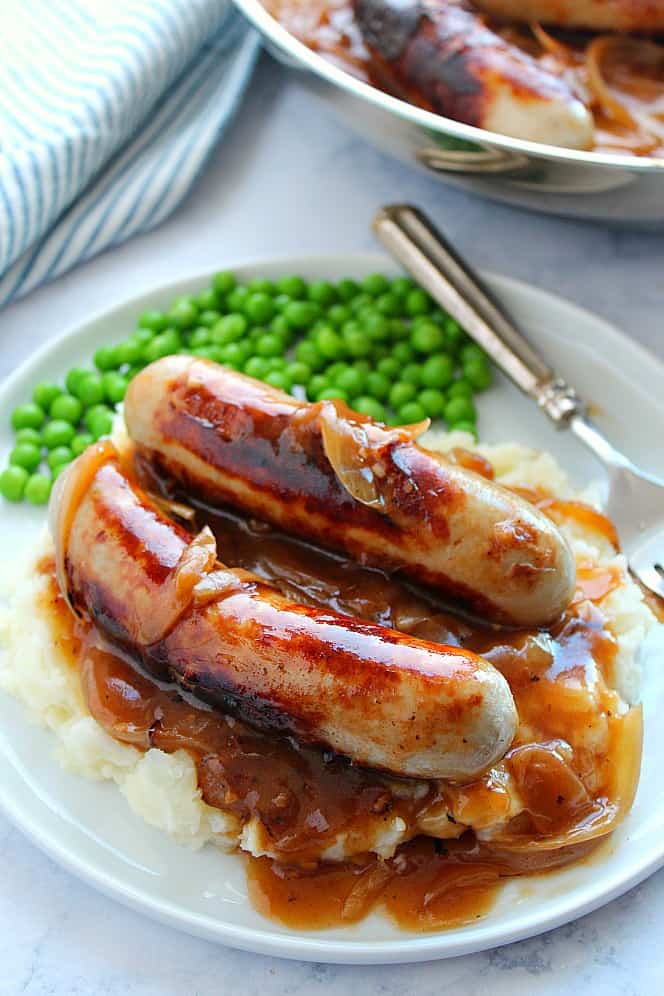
x,y
635,500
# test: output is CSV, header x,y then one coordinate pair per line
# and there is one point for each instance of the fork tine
x,y
647,563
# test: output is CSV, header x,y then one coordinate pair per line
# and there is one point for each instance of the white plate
x,y
88,827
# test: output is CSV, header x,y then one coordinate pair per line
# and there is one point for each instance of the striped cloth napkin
x,y
108,111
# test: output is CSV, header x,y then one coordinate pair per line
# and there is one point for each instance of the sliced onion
x,y
221,583
354,449
563,53
177,594
640,112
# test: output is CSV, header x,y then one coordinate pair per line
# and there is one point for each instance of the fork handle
x,y
426,254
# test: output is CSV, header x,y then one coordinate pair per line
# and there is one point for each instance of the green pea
x,y
100,423
363,366
375,284
12,482
411,373
223,283
299,373
375,325
460,389
153,320
307,352
460,410
142,336
57,433
322,292
37,489
399,330
74,378
437,371
472,352
400,394
45,394
478,373
92,413
58,455
269,344
276,363
318,383
357,343
388,367
200,337
107,358
362,302
129,352
237,299
338,315
427,337
352,381
256,366
259,308
279,379
335,369
403,352
465,427
132,371
208,319
455,334
330,343
29,416
301,314
207,300
25,455
164,344
236,353
432,401
293,286
80,442
332,394
90,389
66,408
115,386
259,285
28,435
389,305
378,386
183,314
214,353
402,286
411,412
369,406
417,302
228,329
281,302
347,289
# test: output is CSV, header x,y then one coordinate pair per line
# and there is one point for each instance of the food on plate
x,y
348,483
445,57
379,697
596,15
326,839
380,344
522,69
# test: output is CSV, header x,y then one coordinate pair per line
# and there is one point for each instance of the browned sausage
x,y
595,15
350,484
441,54
383,699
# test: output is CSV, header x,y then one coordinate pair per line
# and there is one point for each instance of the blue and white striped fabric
x,y
108,111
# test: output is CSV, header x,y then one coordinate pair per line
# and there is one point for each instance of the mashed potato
x,y
162,788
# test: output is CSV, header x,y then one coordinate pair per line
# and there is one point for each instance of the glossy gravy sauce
x,y
305,797
633,70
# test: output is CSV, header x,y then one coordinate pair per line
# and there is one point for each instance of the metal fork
x,y
635,500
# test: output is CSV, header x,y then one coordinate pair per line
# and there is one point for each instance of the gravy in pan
x,y
305,798
620,78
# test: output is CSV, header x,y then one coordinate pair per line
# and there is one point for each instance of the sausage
x,y
349,484
385,700
594,15
441,55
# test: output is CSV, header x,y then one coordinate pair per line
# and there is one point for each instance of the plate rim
x,y
412,948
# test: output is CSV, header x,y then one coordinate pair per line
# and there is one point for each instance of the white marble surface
x,y
289,178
